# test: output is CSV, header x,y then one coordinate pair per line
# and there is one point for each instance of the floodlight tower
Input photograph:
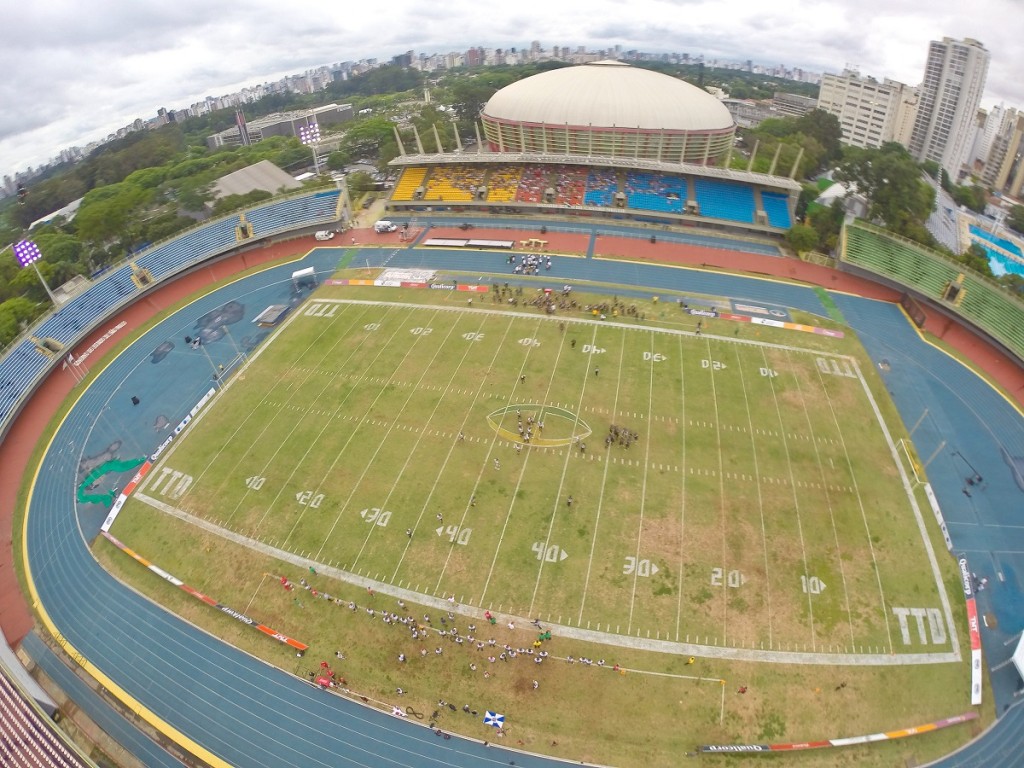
x,y
309,134
27,252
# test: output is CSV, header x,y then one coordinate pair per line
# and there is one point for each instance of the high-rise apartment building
x,y
870,113
1004,169
949,97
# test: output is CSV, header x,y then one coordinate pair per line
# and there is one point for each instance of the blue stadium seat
x,y
724,200
776,205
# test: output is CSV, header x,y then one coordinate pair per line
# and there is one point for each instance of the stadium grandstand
x,y
600,139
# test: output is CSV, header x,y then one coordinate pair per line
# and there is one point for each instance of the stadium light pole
x,y
238,352
309,134
27,252
197,343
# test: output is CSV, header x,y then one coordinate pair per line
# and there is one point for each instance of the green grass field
x,y
758,522
758,507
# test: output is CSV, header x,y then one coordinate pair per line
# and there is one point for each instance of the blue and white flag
x,y
493,718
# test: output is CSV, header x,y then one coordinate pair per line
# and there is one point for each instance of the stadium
x,y
594,140
161,358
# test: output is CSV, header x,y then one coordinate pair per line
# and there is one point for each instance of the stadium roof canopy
x,y
609,94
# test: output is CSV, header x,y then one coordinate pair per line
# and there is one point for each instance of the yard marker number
x,y
642,567
376,515
812,585
473,336
455,534
529,342
309,499
551,554
714,365
835,367
590,349
733,579
418,331
255,483
321,309
928,621
177,483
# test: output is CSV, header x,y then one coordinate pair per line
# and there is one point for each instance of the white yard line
x,y
281,441
451,449
604,483
929,550
519,481
643,487
413,391
796,502
722,511
828,495
760,498
793,656
242,423
559,494
682,489
355,430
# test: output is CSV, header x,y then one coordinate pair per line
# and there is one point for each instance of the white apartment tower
x,y
949,96
870,113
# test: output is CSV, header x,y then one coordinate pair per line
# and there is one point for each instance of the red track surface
x,y
16,449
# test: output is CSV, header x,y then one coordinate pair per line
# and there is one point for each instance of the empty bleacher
x,y
776,205
724,200
411,180
981,301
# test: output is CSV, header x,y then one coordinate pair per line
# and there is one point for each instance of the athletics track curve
x,y
236,707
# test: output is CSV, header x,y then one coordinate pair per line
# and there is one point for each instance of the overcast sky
x,y
75,71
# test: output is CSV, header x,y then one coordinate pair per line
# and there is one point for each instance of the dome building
x,y
608,109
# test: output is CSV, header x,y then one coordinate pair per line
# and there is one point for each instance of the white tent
x,y
1018,657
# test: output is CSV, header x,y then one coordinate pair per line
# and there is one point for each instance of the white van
x,y
385,226
324,234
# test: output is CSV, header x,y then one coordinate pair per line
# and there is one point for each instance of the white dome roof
x,y
609,94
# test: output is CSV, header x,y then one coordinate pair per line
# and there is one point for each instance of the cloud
x,y
79,70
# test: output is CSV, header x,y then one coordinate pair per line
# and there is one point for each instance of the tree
x,y
359,182
1013,282
336,161
891,180
802,238
827,222
973,197
976,258
825,129
230,203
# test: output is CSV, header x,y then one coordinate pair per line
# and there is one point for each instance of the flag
x,y
493,718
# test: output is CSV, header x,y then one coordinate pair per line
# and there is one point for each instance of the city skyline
x,y
85,71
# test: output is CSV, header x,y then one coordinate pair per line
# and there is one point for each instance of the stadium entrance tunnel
x,y
539,426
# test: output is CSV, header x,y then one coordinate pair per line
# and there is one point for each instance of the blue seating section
x,y
601,188
24,366
724,200
777,207
655,192
281,217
